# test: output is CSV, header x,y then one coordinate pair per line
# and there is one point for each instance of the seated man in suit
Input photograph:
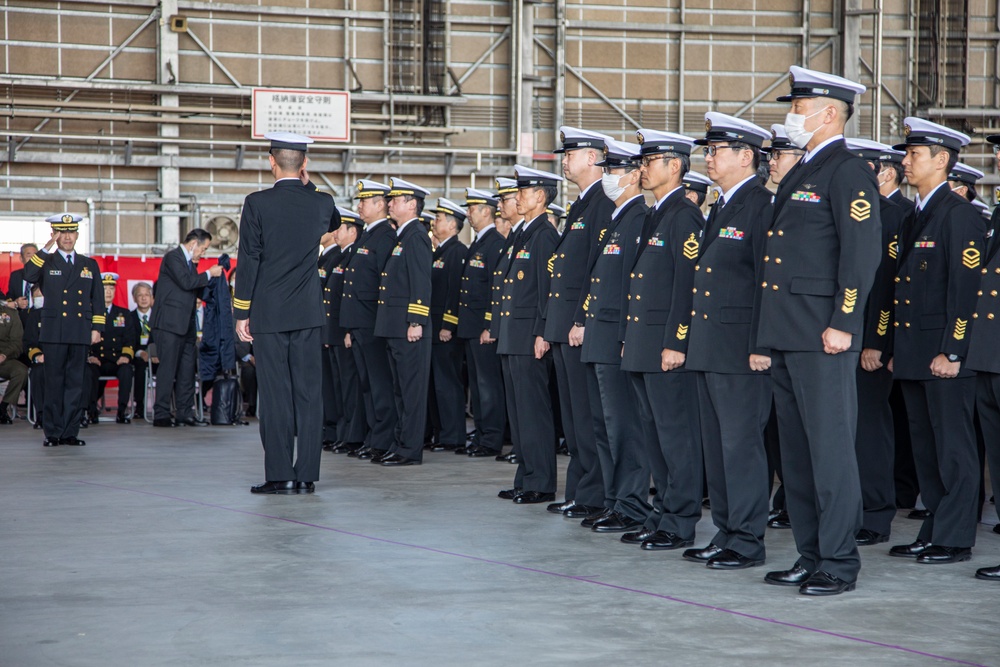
x,y
113,355
19,290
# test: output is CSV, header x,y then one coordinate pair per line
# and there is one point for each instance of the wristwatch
x,y
414,325
954,357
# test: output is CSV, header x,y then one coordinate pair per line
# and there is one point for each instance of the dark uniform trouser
x,y
515,432
623,469
904,472
64,368
372,359
773,448
734,411
988,406
352,425
286,366
668,408
333,399
410,365
124,373
816,397
37,376
248,382
486,377
536,431
446,367
875,450
175,374
944,451
584,483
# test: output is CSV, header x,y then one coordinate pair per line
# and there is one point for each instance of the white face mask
x,y
795,128
611,187
38,302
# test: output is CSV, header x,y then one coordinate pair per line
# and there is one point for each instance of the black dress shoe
x,y
305,487
616,522
596,516
347,447
51,442
824,583
996,529
581,511
559,508
988,573
72,442
479,452
164,423
93,419
379,456
936,554
501,457
796,576
395,460
909,550
919,514
192,422
367,453
510,494
730,560
533,497
702,555
779,520
278,488
512,459
664,541
122,418
867,537
637,537
464,450
328,445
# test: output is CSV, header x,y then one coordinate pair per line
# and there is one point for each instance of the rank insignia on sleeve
x,y
861,210
850,300
600,236
960,326
970,258
551,264
893,250
883,322
682,332
691,248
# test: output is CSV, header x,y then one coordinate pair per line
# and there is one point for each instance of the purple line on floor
x,y
561,575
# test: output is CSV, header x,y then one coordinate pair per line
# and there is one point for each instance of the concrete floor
x,y
146,548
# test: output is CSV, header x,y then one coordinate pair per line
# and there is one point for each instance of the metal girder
x,y
777,82
479,61
213,58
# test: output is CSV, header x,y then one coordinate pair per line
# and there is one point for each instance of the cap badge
x,y
906,130
360,186
562,136
638,135
708,125
67,218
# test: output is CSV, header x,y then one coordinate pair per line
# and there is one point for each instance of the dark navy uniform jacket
x,y
984,348
878,331
121,336
506,254
405,292
333,332
940,268
74,297
607,297
572,260
659,301
277,286
525,288
363,273
725,281
446,280
822,252
475,296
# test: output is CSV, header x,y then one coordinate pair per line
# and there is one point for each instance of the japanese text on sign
x,y
322,115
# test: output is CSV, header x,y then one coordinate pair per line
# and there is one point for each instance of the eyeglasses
x,y
610,170
649,159
507,198
777,154
712,150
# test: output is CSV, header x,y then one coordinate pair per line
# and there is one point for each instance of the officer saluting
x,y
73,319
403,319
822,252
939,273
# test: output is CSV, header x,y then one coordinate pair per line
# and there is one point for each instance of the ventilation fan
x,y
225,233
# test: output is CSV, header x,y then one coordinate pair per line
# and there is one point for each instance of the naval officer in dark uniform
x,y
403,320
734,386
625,473
278,305
72,320
940,260
874,441
113,355
523,297
446,348
329,256
656,329
823,249
564,317
474,316
357,314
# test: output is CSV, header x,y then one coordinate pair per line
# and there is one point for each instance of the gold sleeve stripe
x,y
489,316
127,350
99,319
418,309
34,352
36,260
241,304
451,319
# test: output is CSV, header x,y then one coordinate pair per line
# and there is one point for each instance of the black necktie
x,y
69,259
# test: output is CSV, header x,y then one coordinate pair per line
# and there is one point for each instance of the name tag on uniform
x,y
612,249
397,251
731,233
55,272
361,251
85,273
523,254
438,264
806,196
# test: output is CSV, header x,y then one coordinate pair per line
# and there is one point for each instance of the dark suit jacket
x,y
446,281
406,284
725,280
277,285
482,259
177,290
333,332
936,285
607,294
658,316
74,297
15,289
823,248
526,288
363,274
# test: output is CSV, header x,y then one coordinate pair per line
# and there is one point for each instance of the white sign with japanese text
x,y
322,115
